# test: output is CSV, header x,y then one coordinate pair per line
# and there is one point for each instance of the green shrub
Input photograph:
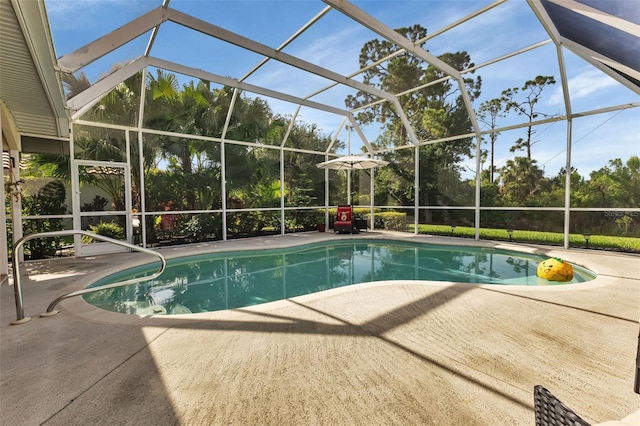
x,y
630,244
395,221
239,223
49,200
108,229
199,227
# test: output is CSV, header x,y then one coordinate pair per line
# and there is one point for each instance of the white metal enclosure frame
x,y
154,20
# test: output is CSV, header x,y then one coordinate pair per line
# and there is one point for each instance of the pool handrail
x,y
20,318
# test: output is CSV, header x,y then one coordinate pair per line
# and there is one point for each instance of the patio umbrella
x,y
351,162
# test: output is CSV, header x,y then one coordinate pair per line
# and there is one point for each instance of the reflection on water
x,y
232,280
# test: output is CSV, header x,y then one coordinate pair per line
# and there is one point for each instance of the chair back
x,y
550,411
344,214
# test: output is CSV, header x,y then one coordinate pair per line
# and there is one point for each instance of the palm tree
x,y
74,84
120,106
521,178
169,109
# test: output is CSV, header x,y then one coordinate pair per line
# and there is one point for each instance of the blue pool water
x,y
229,280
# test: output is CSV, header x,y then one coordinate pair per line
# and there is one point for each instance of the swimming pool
x,y
218,281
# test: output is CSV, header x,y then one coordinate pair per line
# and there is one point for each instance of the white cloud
x,y
583,85
337,51
94,15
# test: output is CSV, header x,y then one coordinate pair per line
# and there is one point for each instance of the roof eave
x,y
33,20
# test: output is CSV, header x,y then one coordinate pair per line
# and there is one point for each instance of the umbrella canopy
x,y
351,162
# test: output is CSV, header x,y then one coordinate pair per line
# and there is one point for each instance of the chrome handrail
x,y
16,270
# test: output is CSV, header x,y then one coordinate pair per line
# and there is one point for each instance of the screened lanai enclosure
x,y
169,122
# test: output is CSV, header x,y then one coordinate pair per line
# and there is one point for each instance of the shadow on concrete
x,y
53,367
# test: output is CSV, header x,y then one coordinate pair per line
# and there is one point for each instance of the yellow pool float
x,y
555,269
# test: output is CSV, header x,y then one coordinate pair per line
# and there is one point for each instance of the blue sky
x,y
335,42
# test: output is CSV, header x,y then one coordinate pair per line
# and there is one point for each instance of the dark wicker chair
x,y
550,411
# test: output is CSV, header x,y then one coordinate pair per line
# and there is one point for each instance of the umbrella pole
x,y
349,186
349,170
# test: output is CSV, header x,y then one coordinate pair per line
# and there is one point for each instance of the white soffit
x,y
29,86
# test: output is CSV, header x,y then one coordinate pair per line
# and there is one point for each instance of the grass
x,y
628,244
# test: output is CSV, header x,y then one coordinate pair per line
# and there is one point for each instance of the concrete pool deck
x,y
403,353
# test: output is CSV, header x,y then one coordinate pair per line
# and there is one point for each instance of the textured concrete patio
x,y
386,353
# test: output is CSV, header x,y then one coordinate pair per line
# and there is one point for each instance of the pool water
x,y
219,281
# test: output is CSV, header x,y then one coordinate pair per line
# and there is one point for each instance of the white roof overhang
x,y
30,89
